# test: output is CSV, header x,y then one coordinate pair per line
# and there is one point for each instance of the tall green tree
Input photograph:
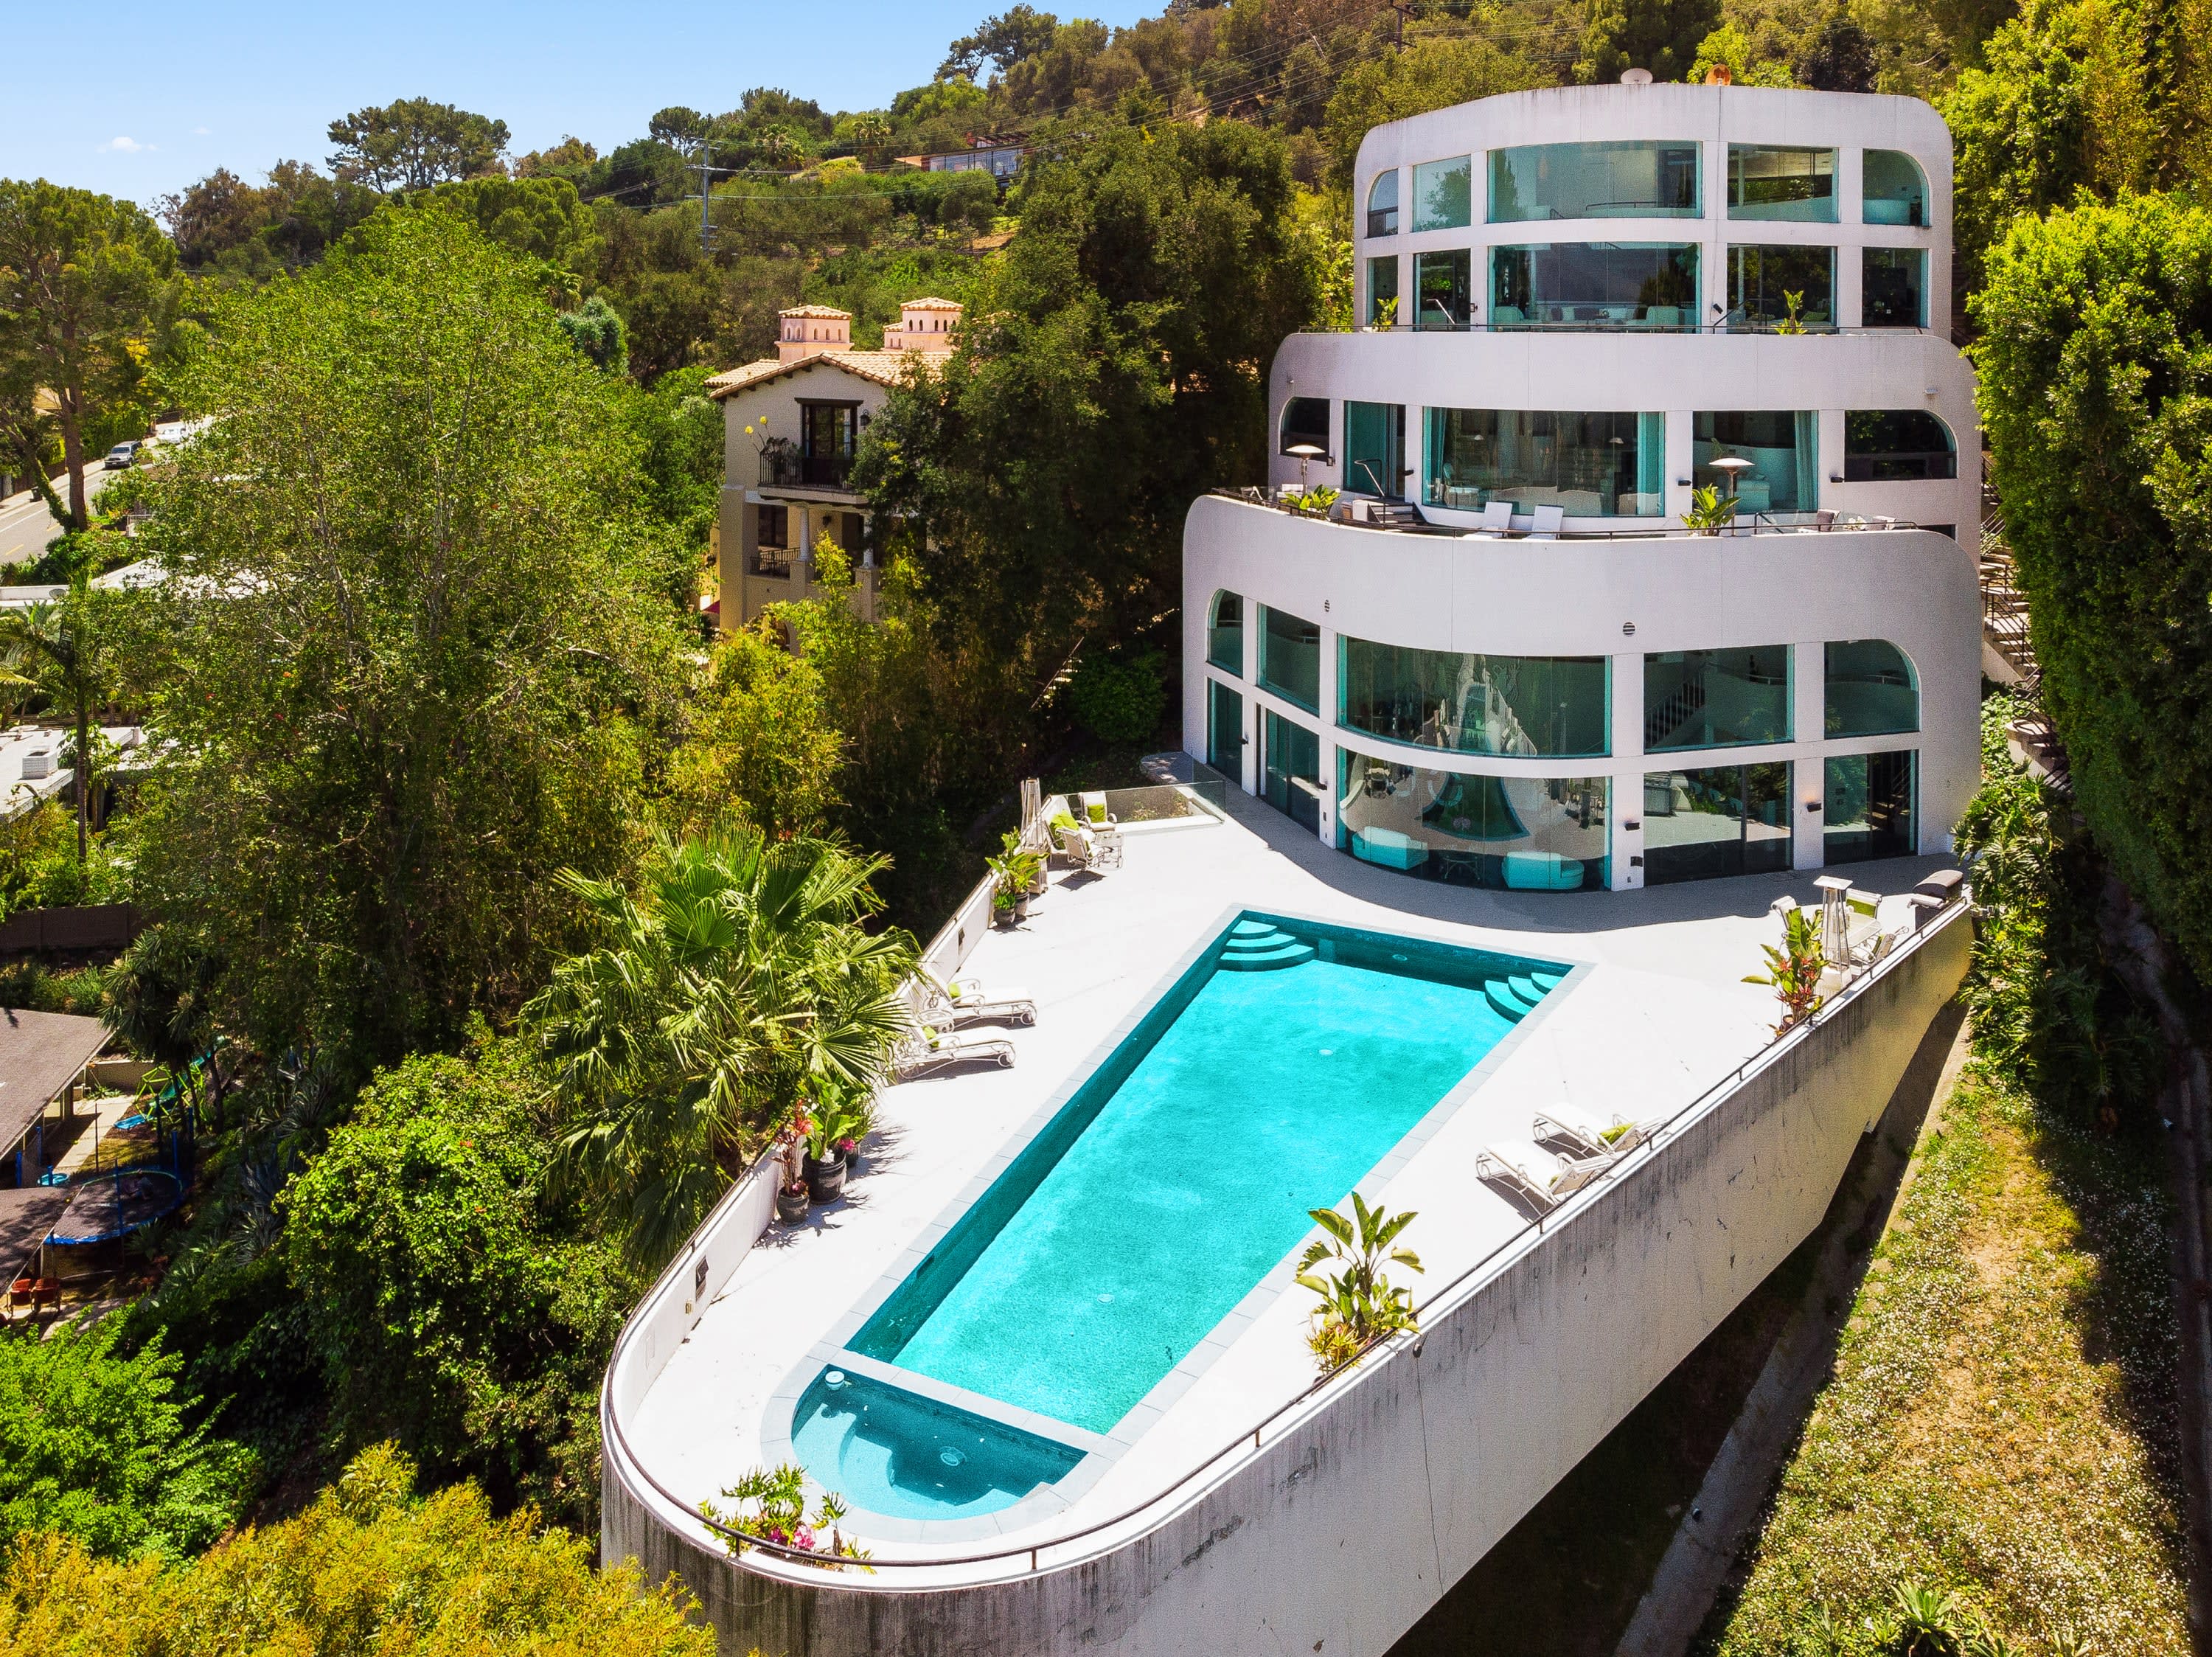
x,y
460,1307
411,644
1661,35
2097,395
1438,67
54,645
78,278
412,144
1114,370
732,983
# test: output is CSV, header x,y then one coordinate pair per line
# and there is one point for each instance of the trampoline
x,y
103,1207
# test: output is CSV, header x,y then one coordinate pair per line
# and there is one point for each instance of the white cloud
x,y
128,146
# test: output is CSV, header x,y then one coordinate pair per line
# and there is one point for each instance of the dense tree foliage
x,y
367,1571
79,281
415,644
412,144
729,985
460,1308
1046,471
94,1445
2095,389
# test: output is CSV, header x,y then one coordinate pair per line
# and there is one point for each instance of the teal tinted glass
x,y
1605,464
1290,657
1870,689
1443,194
1715,698
1225,634
1469,704
1773,181
1636,180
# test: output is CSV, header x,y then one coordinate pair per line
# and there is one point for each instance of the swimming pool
x,y
1267,1078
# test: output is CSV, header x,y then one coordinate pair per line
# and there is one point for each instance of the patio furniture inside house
x,y
929,1047
1388,847
956,1001
1542,1177
1542,871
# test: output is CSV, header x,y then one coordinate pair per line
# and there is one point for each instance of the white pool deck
x,y
1661,1015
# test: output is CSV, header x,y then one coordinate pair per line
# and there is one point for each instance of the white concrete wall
x,y
1357,1511
1917,589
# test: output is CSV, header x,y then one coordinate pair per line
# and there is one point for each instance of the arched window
x,y
1383,204
1896,190
1871,688
1305,420
1890,445
1225,634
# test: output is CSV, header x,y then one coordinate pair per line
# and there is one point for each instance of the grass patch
x,y
2001,1421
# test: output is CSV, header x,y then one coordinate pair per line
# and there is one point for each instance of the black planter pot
x,y
791,1205
824,1179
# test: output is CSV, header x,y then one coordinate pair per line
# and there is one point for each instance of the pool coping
x,y
1102,1451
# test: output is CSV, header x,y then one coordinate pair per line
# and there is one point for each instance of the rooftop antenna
x,y
1635,77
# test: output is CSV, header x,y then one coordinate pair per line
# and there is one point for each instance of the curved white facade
x,y
1607,298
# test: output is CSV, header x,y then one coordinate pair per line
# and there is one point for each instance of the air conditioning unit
x,y
38,762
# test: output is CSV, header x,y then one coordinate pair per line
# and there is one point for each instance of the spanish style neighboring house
x,y
791,427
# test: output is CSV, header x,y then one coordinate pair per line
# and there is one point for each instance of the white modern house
x,y
1504,660
791,425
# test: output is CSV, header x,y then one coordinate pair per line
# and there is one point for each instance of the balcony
x,y
772,561
788,468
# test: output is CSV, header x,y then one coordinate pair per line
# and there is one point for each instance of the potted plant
x,y
1013,873
1710,511
829,1138
793,1194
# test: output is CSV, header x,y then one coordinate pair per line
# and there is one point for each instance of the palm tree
x,y
732,983
49,640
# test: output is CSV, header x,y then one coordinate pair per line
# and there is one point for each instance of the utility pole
x,y
706,195
1400,11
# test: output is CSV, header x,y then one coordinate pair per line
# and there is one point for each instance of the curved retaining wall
x,y
1360,1509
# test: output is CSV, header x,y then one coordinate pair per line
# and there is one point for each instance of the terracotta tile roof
x,y
884,367
816,310
931,303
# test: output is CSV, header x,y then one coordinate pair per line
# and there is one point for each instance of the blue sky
x,y
136,100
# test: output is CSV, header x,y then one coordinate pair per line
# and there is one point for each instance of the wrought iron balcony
x,y
787,468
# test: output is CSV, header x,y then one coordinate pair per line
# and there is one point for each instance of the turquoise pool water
x,y
1183,1171
888,1451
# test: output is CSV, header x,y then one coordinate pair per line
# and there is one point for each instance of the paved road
x,y
26,525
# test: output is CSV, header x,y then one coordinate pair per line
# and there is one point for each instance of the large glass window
x,y
1289,777
1639,180
1895,293
1527,705
1602,284
1530,833
1375,449
1767,181
1870,689
1383,204
1290,658
1305,420
1782,446
1588,466
1728,819
1865,808
1787,288
1715,698
1895,191
1225,634
1893,445
1443,288
1443,195
1382,292
1224,730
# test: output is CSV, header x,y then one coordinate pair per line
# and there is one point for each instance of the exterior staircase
x,y
1515,996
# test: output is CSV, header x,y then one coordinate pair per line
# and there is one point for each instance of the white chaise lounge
x,y
956,1000
1542,1176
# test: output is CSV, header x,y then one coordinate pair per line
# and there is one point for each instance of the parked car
x,y
124,454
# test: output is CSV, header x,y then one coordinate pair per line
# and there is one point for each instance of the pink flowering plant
x,y
776,1512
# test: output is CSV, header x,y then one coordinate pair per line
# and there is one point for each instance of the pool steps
x,y
1263,947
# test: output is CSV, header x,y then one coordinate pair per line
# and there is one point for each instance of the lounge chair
x,y
1543,1178
1496,518
1095,812
954,1001
1547,522
928,1047
1586,1135
1084,848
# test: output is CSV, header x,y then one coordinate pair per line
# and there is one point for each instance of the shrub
x,y
366,1570
94,1447
1119,700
